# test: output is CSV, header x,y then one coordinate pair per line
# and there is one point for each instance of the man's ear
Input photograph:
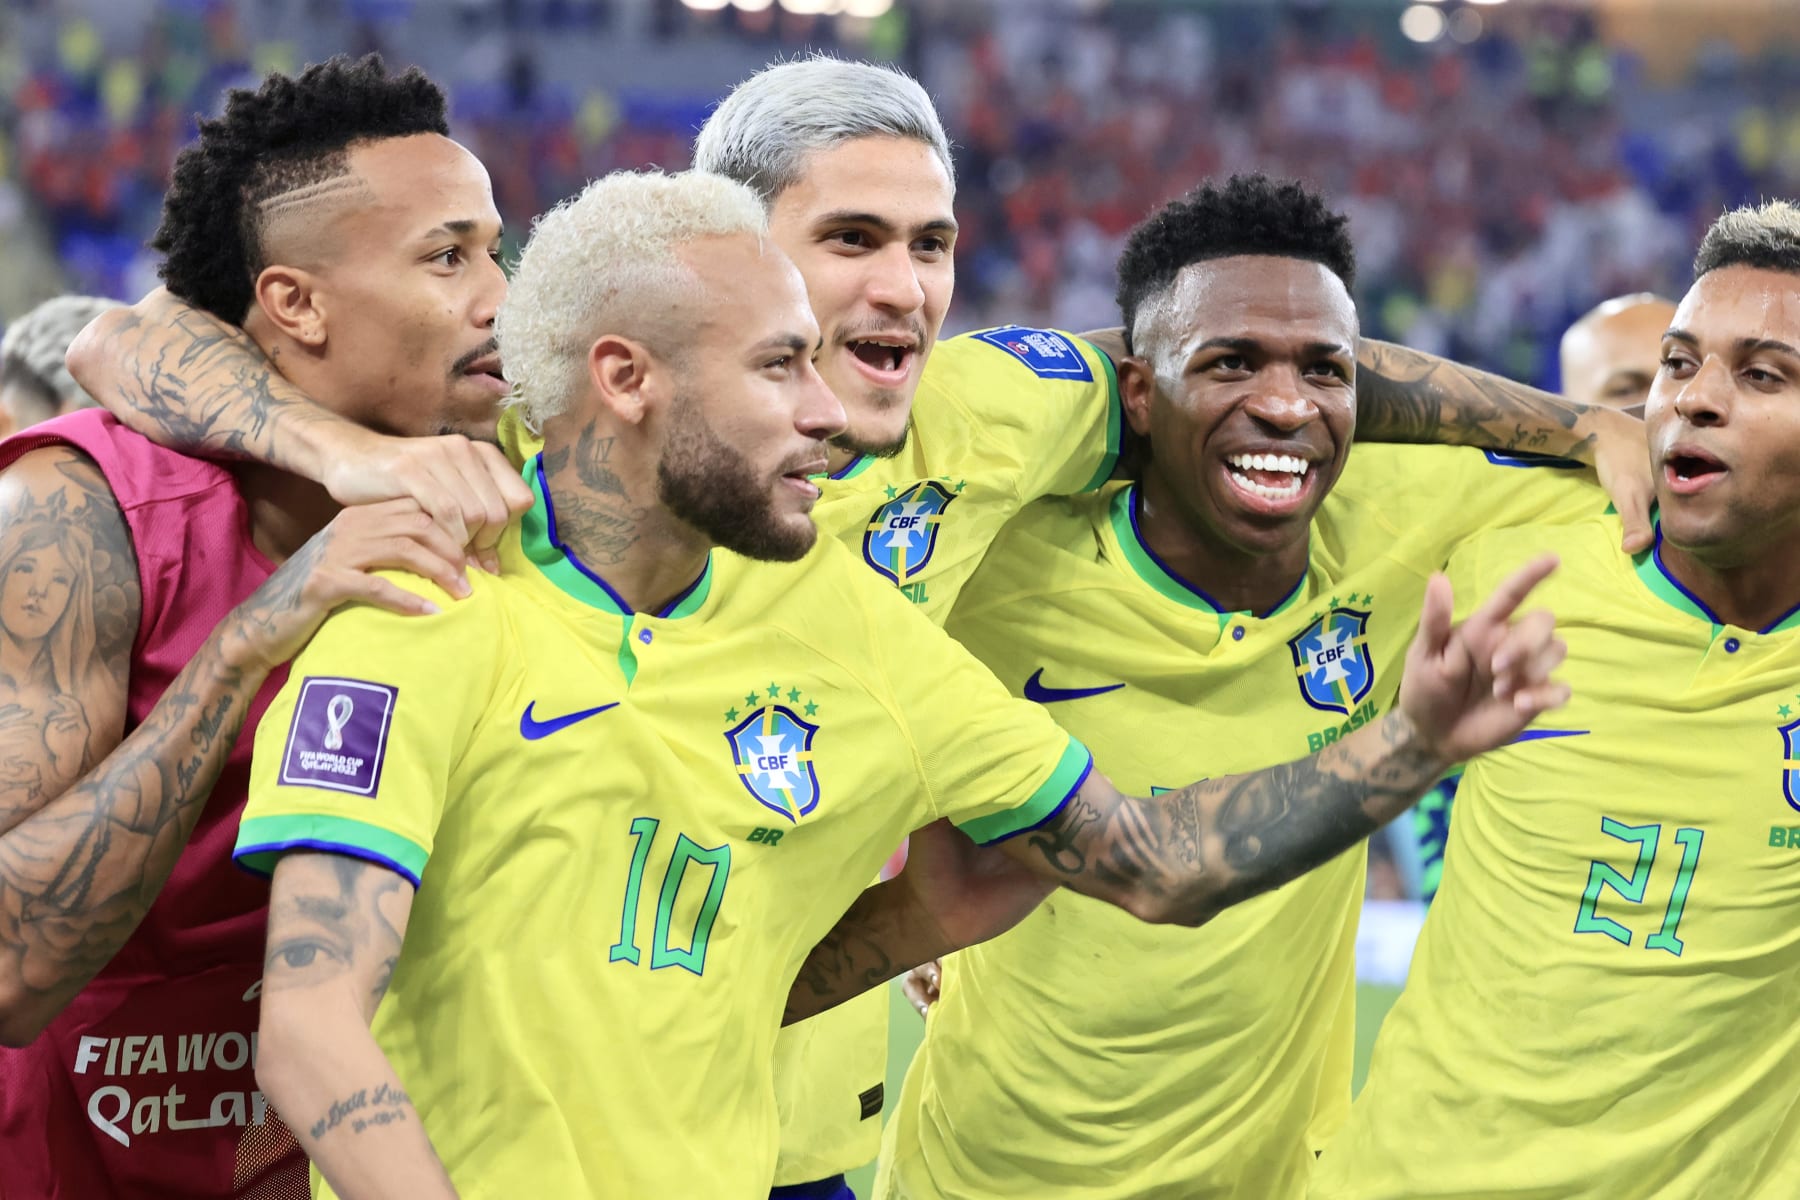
x,y
1137,387
291,300
622,373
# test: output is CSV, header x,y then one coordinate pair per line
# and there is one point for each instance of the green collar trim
x,y
558,563
1155,572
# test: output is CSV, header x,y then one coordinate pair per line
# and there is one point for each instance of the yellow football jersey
x,y
1603,1001
628,830
1086,1054
1002,417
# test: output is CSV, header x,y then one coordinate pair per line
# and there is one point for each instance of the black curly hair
x,y
288,134
1249,214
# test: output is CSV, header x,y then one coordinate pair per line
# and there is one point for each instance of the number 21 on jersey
x,y
1603,876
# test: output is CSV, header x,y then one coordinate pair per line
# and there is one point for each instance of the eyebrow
x,y
850,216
1244,344
791,342
1750,345
459,228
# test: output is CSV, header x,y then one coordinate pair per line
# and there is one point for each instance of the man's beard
x,y
712,487
867,449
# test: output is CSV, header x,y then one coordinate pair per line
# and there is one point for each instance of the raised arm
x,y
335,929
1405,395
1186,856
187,380
91,826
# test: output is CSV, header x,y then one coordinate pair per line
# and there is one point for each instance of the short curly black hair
x,y
1249,214
288,134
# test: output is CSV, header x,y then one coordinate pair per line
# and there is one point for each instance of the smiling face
x,y
869,225
1244,381
1724,417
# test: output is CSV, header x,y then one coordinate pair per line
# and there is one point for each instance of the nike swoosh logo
x,y
1538,735
532,729
1036,692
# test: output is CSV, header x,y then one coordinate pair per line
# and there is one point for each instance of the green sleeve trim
x,y
262,841
1070,773
1115,418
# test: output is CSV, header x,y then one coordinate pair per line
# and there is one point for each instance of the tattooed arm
x,y
185,379
335,930
1185,856
91,826
1406,395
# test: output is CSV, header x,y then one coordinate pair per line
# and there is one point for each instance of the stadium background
x,y
1505,164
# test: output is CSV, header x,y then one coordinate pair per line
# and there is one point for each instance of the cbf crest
x,y
903,533
1331,659
1790,775
772,748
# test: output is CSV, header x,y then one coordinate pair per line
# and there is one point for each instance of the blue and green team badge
x,y
1790,774
1331,659
772,747
903,533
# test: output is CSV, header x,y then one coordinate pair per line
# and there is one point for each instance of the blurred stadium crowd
x,y
1501,178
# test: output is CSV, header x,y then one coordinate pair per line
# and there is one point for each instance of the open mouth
x,y
1689,470
803,478
1268,476
885,358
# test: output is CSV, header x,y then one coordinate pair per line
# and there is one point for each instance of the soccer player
x,y
35,385
147,602
1602,1002
1259,572
568,842
944,441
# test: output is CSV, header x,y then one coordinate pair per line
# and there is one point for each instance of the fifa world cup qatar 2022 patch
x,y
1049,354
339,733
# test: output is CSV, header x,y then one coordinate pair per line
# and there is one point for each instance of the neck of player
x,y
1238,580
609,516
285,510
1751,591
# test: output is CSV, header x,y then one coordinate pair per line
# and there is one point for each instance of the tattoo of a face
x,y
327,919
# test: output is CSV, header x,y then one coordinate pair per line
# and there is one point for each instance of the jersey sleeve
x,y
1436,497
995,765
354,754
1044,400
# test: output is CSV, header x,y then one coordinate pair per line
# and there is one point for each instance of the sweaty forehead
x,y
1274,300
1735,303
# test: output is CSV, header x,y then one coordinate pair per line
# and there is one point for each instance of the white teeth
x,y
1270,462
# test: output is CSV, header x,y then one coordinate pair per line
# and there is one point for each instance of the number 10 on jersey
x,y
1602,876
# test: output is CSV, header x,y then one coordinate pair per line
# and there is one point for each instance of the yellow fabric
x,y
1634,1050
993,429
599,954
1085,1054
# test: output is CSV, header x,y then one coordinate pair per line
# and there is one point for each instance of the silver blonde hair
x,y
607,262
763,132
1766,236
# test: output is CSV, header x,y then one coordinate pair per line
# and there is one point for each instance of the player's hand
x,y
970,892
921,986
1622,461
335,567
469,488
1472,687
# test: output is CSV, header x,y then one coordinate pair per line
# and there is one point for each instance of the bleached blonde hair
x,y
763,132
1766,236
607,262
